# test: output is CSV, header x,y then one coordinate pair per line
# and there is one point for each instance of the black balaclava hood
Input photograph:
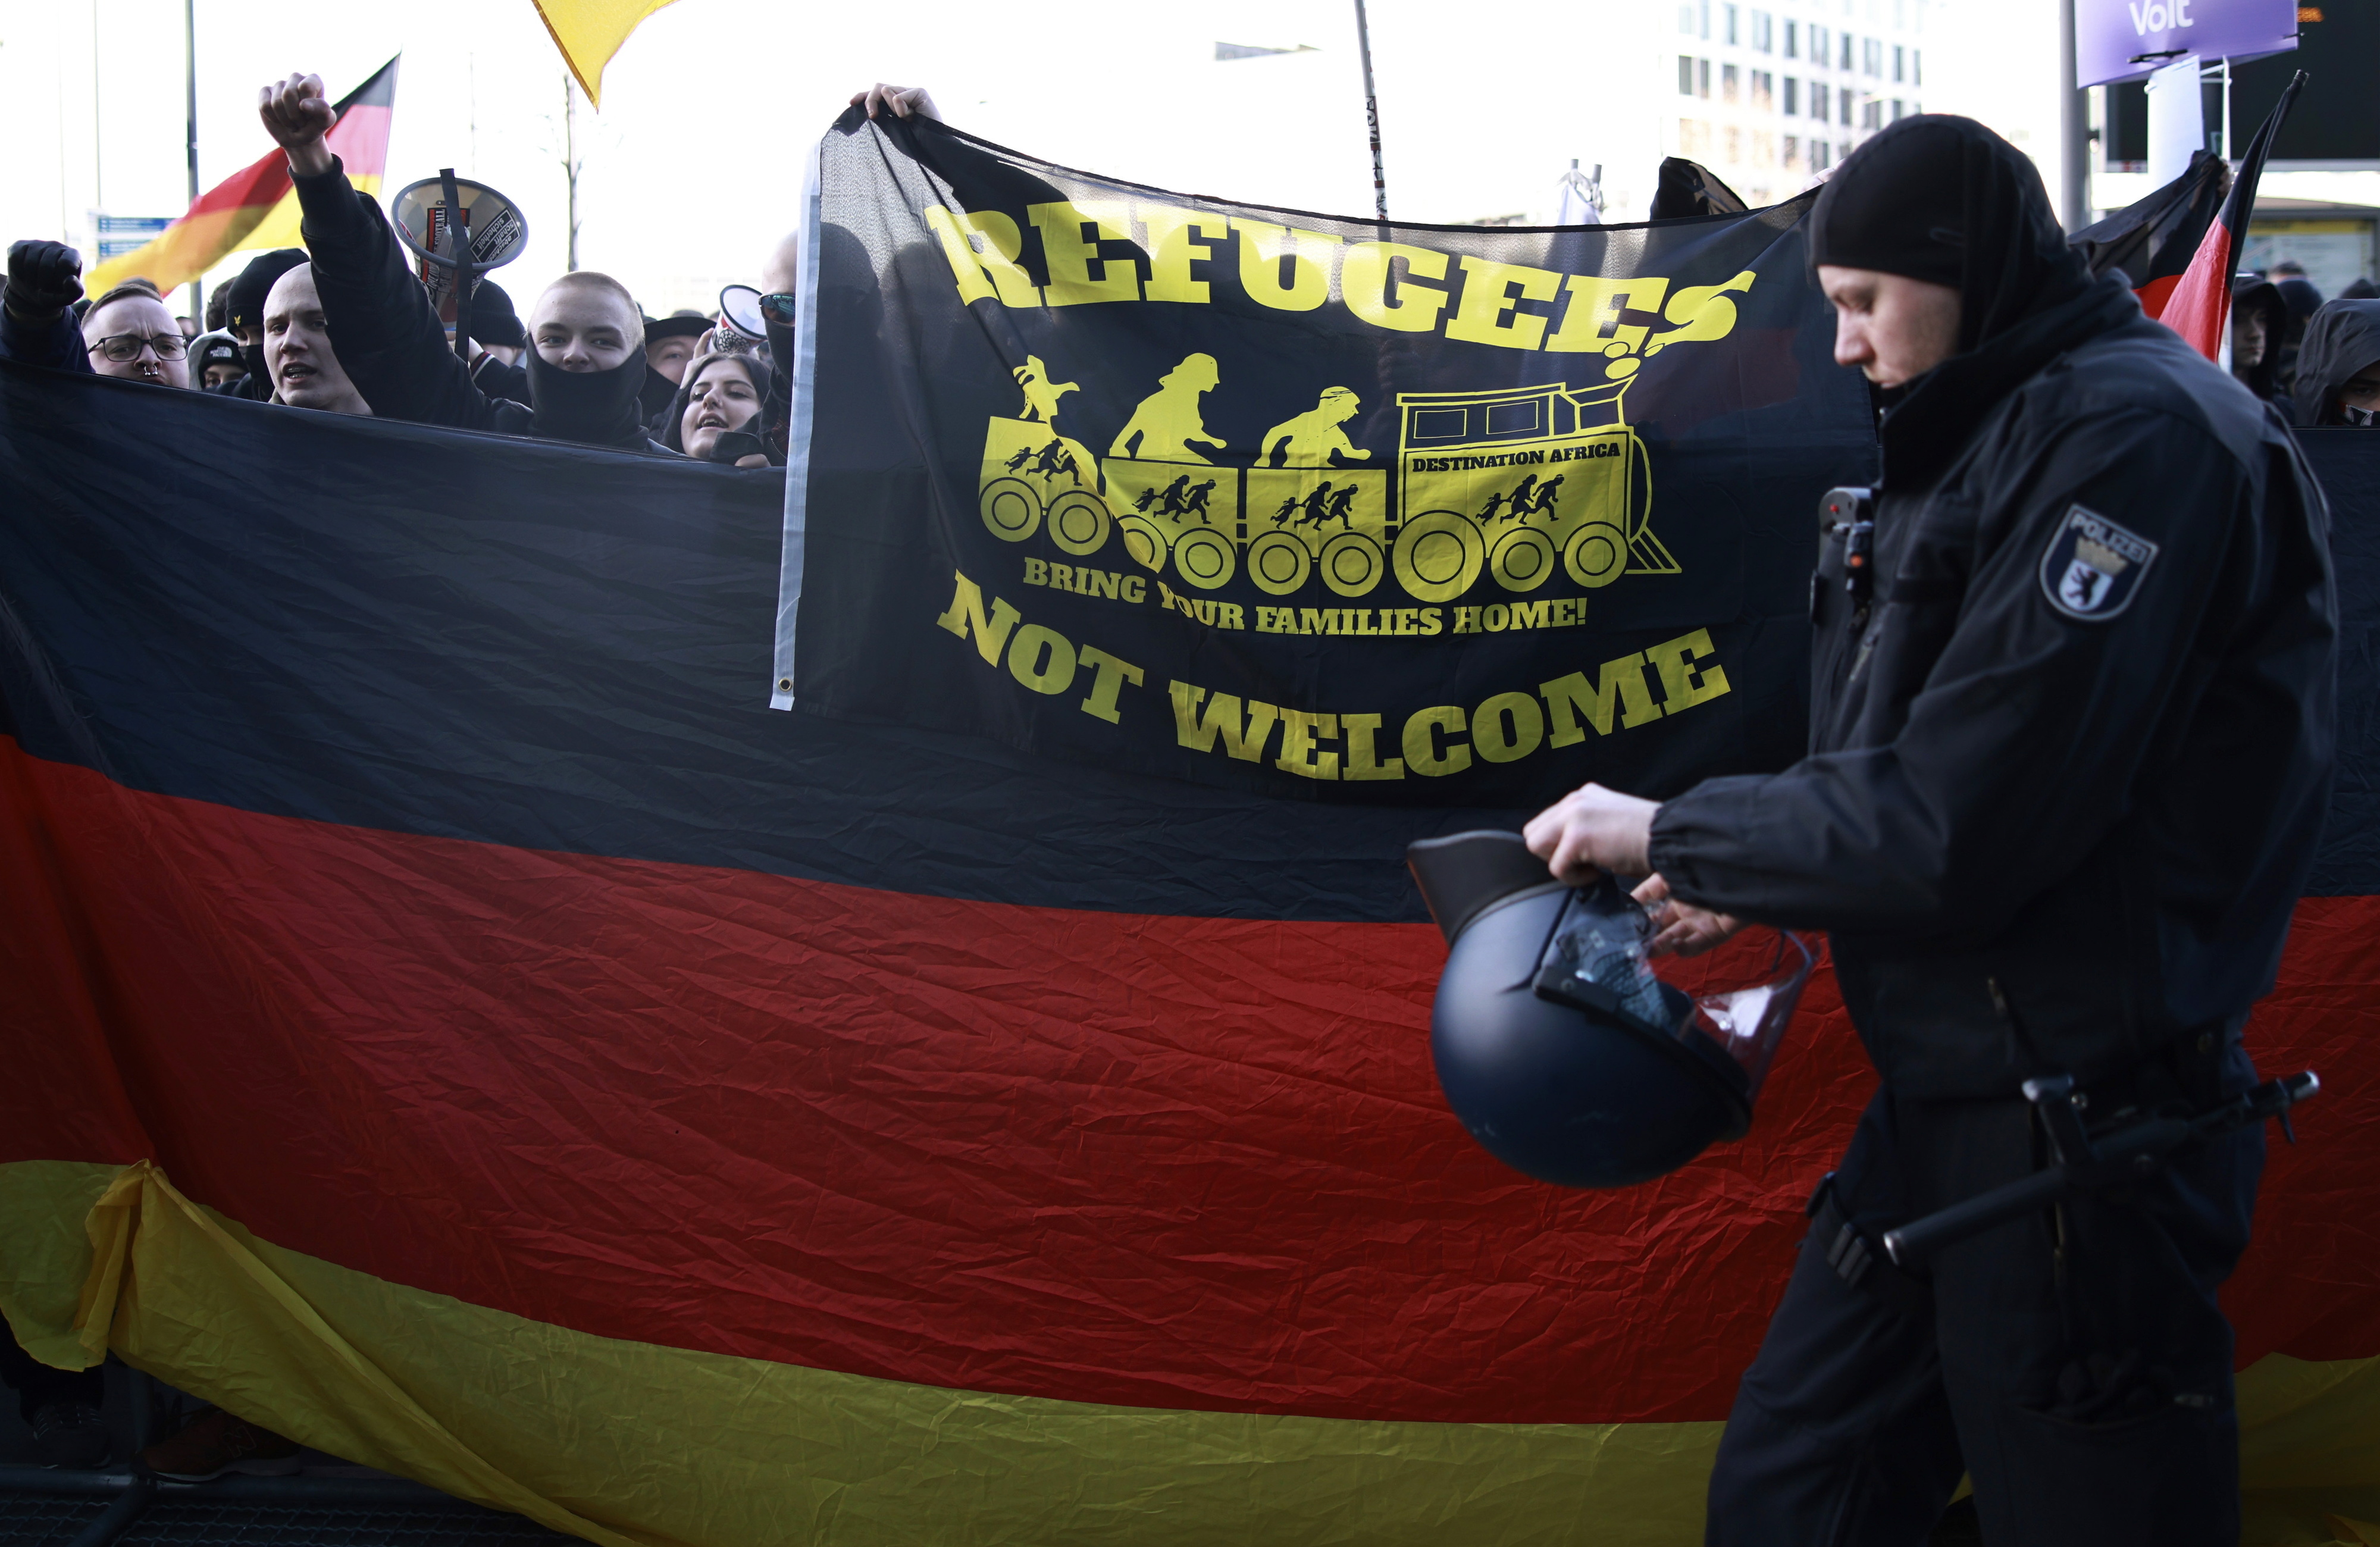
x,y
1945,200
245,309
2342,339
668,428
597,408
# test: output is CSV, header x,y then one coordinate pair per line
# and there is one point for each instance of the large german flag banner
x,y
450,1019
257,207
1315,507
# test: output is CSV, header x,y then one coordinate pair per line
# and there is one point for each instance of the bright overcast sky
x,y
689,167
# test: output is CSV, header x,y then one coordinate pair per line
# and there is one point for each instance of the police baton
x,y
2082,1163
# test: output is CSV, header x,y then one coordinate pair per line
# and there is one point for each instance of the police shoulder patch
x,y
2093,565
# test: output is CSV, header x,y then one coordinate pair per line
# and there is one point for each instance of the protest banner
x,y
453,1021
1420,514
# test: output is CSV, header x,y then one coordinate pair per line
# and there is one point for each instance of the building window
x,y
1730,141
1763,149
1685,76
1843,105
1818,155
1729,13
1686,19
1726,84
1872,55
1818,54
1872,114
1792,97
1792,39
1900,64
1818,100
1846,66
1764,33
1764,90
1897,114
1916,67
1693,138
1702,77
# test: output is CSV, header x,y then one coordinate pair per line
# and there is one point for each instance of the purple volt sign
x,y
2124,39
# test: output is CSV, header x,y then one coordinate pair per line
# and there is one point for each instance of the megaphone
x,y
1563,1053
457,230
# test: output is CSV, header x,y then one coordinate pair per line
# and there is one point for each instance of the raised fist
x,y
298,114
44,279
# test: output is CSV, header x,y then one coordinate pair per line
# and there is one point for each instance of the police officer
x,y
2070,753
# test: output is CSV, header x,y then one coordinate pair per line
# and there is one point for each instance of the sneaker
x,y
215,1443
69,1434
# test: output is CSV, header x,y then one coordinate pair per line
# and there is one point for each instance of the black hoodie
x,y
2343,338
2070,753
395,348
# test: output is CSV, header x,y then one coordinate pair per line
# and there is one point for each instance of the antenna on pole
x,y
1372,114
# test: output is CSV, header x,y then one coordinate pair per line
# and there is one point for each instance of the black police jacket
x,y
2068,762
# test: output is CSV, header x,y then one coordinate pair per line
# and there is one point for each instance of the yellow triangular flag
x,y
589,31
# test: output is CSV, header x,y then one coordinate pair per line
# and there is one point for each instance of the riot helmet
x,y
1556,1043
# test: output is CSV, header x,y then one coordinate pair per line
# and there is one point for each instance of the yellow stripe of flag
x,y
589,31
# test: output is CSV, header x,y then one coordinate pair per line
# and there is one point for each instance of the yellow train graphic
x,y
1514,483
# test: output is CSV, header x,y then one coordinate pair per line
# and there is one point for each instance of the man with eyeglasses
x,y
127,332
131,333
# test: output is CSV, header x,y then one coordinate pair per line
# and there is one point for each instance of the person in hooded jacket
x,y
719,404
2339,367
585,359
244,318
2070,750
2260,318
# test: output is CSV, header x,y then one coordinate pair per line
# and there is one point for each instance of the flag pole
x,y
1372,114
190,79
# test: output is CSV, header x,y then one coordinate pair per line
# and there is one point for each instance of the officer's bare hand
x,y
1679,928
902,101
1593,829
297,114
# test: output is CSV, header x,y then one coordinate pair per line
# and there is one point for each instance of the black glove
x,y
44,279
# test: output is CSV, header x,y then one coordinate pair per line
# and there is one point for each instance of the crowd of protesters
x,y
345,327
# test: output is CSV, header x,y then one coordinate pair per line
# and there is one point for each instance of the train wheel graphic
x,y
1204,558
1279,563
1596,553
1438,554
1079,521
1520,559
1010,508
1352,563
1144,541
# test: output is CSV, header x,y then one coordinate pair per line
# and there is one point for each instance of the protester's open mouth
x,y
706,422
296,373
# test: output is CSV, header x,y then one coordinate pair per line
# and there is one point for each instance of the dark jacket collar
x,y
1937,414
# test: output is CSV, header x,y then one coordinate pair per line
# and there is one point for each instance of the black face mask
x,y
597,408
254,355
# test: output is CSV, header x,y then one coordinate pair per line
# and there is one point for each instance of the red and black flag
x,y
2151,242
2201,303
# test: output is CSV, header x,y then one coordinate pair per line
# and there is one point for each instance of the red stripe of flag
x,y
2201,303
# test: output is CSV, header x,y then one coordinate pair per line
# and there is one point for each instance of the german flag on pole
x,y
255,207
2201,303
